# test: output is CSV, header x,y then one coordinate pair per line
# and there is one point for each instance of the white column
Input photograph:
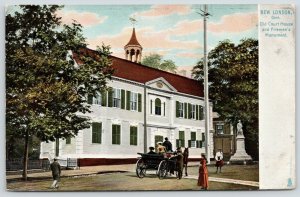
x,y
79,142
171,109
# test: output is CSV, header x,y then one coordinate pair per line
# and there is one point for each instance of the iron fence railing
x,y
44,164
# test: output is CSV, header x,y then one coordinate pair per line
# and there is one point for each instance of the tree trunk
x,y
25,156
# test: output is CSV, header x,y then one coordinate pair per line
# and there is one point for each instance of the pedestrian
x,y
203,173
185,159
168,145
160,148
151,150
219,160
56,171
179,163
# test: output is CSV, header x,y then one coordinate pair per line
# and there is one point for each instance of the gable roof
x,y
139,73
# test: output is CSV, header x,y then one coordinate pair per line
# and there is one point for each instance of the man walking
x,y
55,168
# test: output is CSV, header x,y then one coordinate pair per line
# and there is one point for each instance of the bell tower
x,y
133,49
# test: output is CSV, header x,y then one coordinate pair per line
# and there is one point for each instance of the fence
x,y
17,164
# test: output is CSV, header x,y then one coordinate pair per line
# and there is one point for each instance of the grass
x,y
120,182
241,172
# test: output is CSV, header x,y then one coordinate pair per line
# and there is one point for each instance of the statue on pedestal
x,y
239,127
240,156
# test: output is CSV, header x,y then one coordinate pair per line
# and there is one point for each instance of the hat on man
x,y
151,148
166,138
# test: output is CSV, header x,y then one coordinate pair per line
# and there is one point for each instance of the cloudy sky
x,y
174,31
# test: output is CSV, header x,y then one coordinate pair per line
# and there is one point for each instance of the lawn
x,y
119,182
241,172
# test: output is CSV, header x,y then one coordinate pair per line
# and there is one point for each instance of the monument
x,y
240,156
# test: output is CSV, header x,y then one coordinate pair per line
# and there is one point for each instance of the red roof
x,y
139,73
133,40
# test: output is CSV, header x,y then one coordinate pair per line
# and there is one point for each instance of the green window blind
x,y
122,99
110,98
197,112
139,102
193,136
128,100
181,139
201,114
116,134
133,135
190,111
103,99
177,109
96,132
90,99
185,110
203,137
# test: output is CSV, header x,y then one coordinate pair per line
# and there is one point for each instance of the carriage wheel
x,y
162,169
140,169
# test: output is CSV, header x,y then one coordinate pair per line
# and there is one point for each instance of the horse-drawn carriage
x,y
161,163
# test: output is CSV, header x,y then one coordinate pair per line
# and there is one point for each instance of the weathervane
x,y
133,20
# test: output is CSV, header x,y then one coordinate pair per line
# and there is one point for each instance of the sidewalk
x,y
225,180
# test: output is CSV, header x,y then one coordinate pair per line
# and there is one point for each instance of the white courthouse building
x,y
144,106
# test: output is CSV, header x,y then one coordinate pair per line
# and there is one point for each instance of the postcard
x,y
150,97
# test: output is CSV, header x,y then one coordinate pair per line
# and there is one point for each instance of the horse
x,y
185,159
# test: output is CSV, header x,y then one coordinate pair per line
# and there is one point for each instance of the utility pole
x,y
205,15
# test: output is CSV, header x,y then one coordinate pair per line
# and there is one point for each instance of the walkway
x,y
225,180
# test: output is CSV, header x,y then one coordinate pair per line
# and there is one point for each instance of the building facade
x,y
224,138
142,107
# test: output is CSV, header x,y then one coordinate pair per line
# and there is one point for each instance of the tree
x,y
233,85
156,61
45,90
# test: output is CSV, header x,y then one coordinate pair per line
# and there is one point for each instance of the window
x,y
193,112
94,100
97,99
180,110
117,98
203,140
158,138
157,106
133,101
133,135
180,141
192,142
68,140
201,112
220,129
116,134
96,132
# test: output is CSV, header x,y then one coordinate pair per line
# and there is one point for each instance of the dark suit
x,y
55,168
168,145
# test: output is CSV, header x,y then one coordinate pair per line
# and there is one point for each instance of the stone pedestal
x,y
240,156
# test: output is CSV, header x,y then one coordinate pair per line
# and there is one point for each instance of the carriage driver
x,y
168,145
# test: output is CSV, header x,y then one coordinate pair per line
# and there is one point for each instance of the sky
x,y
173,31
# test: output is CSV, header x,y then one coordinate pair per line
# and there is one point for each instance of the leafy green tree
x,y
156,61
233,85
45,89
